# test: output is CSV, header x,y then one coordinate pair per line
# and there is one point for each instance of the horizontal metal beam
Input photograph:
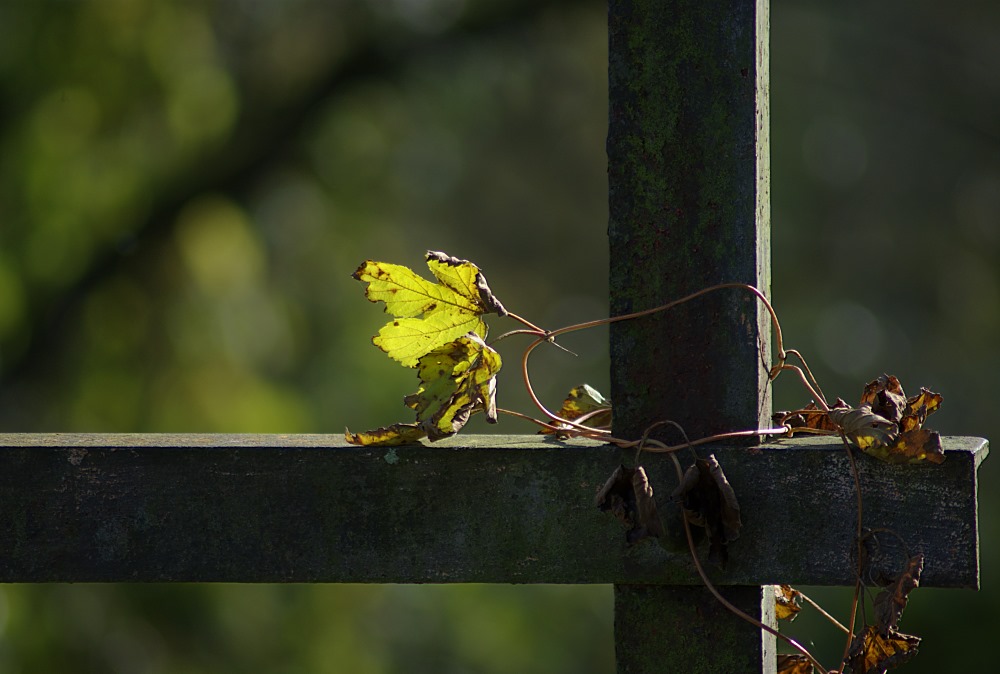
x,y
501,509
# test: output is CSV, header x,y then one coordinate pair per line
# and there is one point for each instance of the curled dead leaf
x,y
709,501
864,428
913,446
875,652
885,397
628,496
887,424
794,664
881,646
923,404
890,602
387,436
809,418
787,602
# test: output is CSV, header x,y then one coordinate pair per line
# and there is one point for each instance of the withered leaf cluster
x,y
886,423
881,646
708,501
706,498
913,443
628,496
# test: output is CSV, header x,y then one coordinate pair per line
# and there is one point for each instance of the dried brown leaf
x,y
794,664
387,436
809,417
708,501
918,408
926,399
890,602
628,496
915,446
875,652
864,428
885,397
787,602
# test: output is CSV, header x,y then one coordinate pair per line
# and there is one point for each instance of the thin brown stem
x,y
569,432
779,344
823,613
668,449
526,323
817,396
537,422
538,403
651,428
511,333
809,431
805,366
725,602
538,332
858,543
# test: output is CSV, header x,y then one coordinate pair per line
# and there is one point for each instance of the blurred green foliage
x,y
186,186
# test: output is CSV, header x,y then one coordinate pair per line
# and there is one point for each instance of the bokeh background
x,y
186,187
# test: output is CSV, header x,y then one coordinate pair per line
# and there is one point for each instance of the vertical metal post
x,y
688,170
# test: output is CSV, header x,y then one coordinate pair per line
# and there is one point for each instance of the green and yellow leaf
x,y
456,379
427,314
407,339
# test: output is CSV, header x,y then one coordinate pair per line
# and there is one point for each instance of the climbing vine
x,y
438,328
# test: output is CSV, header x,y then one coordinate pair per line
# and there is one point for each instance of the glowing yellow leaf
x,y
456,379
407,339
428,314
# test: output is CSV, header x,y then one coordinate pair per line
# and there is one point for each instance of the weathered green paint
x,y
658,625
689,208
501,509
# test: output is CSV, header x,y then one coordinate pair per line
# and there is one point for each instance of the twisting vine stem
x,y
858,547
468,366
725,602
778,341
577,427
